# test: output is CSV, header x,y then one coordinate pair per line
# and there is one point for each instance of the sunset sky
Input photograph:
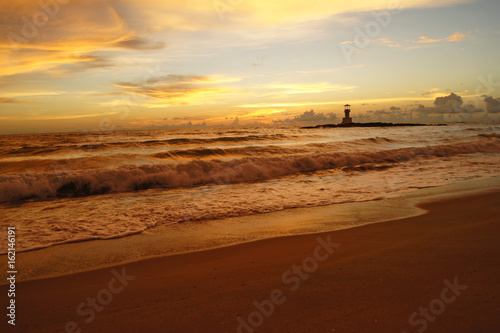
x,y
73,65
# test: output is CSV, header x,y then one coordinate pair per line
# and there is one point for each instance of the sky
x,y
85,65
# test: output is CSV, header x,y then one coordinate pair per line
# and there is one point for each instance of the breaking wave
x,y
215,171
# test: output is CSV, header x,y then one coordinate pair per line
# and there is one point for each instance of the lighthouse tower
x,y
347,119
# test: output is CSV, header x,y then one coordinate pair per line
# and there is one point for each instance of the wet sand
x,y
194,236
378,278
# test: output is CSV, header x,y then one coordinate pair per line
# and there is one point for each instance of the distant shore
x,y
376,124
373,278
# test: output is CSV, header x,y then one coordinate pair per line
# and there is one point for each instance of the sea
x,y
72,187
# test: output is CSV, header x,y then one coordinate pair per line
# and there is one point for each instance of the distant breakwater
x,y
372,125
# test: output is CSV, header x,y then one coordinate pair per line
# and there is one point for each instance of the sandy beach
x,y
437,272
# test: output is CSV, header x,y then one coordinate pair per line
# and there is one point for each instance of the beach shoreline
x,y
374,280
198,236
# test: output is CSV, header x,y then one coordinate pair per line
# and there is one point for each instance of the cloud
x,y
82,63
236,122
175,89
5,100
26,93
448,104
387,42
431,92
492,104
456,37
311,117
445,108
79,24
39,36
63,32
425,39
140,44
179,79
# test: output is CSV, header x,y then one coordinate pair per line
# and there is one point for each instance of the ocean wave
x,y
200,172
241,151
89,147
36,150
358,142
490,135
376,140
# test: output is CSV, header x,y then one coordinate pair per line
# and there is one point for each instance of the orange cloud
x,y
425,39
387,42
42,35
4,100
456,37
175,90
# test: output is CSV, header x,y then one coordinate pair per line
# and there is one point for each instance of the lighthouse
x,y
347,119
